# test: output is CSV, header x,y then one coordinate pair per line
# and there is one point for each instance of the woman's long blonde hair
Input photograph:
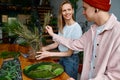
x,y
61,21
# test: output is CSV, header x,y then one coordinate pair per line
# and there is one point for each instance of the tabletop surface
x,y
25,62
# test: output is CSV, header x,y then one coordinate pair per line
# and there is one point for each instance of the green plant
x,y
11,70
31,35
43,70
7,29
33,38
7,54
47,19
53,21
74,3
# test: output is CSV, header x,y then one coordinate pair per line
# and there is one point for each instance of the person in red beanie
x,y
101,43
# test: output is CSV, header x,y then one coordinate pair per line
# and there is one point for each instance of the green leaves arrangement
x,y
11,70
27,35
31,37
43,70
31,34
46,19
7,54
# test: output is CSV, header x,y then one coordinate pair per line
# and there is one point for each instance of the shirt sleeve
x,y
70,43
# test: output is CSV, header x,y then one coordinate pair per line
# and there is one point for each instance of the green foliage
x,y
43,70
10,27
7,54
53,21
45,67
74,3
32,37
58,71
10,70
40,74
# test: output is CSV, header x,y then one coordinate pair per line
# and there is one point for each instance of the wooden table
x,y
25,62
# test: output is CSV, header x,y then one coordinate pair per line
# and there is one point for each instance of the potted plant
x,y
32,37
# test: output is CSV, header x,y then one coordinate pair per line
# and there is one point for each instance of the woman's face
x,y
88,11
67,11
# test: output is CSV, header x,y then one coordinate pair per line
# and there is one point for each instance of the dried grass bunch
x,y
47,17
32,37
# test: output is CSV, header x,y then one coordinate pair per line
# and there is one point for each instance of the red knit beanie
x,y
100,4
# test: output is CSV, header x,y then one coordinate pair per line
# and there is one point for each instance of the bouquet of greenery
x,y
32,37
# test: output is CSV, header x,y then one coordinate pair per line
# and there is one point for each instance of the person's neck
x,y
103,18
69,22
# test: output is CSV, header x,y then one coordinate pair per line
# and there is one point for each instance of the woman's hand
x,y
43,49
42,54
49,30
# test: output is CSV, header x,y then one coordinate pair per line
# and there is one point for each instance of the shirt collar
x,y
108,25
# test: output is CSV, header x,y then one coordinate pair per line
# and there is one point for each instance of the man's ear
x,y
96,10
